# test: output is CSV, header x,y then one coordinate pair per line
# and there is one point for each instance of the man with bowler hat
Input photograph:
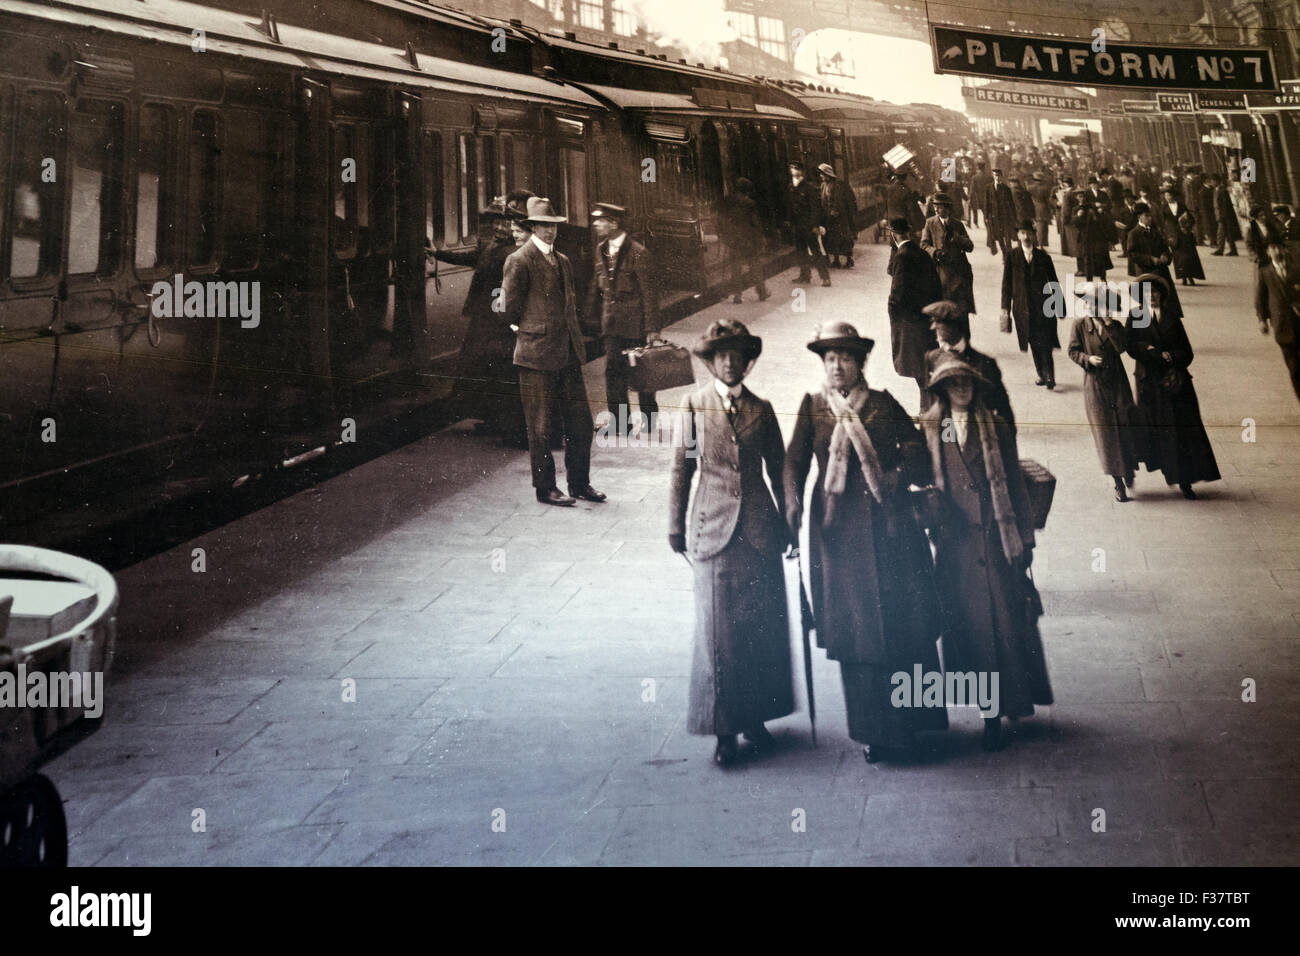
x,y
806,222
623,294
550,352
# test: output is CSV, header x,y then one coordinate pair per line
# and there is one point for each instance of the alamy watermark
x,y
666,430
76,689
207,300
935,689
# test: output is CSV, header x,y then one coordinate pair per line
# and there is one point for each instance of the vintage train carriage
x,y
289,181
677,139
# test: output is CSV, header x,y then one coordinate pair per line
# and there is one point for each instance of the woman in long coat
x,y
740,674
983,547
869,564
841,210
1097,346
1177,442
1187,261
1096,231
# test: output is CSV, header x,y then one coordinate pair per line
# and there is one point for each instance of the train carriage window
x,y
434,226
573,167
467,163
507,165
96,156
154,189
244,197
204,187
345,172
674,185
382,191
519,170
35,201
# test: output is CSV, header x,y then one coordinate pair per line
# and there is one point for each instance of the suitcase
x,y
1041,486
654,368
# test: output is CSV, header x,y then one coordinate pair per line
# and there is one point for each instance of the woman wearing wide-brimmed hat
x,y
1176,442
740,674
984,545
869,563
1097,343
841,217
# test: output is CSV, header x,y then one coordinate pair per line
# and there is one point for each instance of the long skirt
x,y
1177,444
740,673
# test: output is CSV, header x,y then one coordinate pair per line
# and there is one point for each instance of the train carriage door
x,y
408,253
568,184
710,197
313,193
32,131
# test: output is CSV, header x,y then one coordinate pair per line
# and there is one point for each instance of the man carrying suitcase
x,y
623,294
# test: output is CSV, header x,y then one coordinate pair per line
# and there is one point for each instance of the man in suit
x,y
550,352
1029,284
1225,215
902,201
1260,231
1277,303
915,285
806,217
623,295
1289,225
1126,218
1000,213
946,241
1041,193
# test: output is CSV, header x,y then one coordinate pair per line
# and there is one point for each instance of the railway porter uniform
x,y
539,299
623,295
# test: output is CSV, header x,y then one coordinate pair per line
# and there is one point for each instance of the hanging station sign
x,y
1220,102
1175,102
1075,62
1049,102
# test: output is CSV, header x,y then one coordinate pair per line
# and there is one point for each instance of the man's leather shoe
x,y
554,497
725,753
588,493
1051,385
1039,381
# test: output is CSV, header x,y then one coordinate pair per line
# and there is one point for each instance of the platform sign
x,y
1041,59
1175,102
1288,99
1052,102
1139,107
1220,102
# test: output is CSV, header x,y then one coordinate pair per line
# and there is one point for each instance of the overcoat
x,y
841,218
1027,288
740,671
947,244
1167,219
539,299
1176,440
1096,231
626,306
1024,203
915,285
1187,261
903,202
1069,232
487,336
806,213
1226,214
995,392
1107,397
989,625
1000,208
1145,248
870,572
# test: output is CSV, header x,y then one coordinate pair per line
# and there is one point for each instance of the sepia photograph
x,y
651,433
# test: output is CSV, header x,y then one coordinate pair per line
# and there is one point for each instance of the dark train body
x,y
306,167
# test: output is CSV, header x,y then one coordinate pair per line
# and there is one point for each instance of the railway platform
x,y
416,663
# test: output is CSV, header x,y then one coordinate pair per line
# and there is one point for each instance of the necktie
x,y
731,409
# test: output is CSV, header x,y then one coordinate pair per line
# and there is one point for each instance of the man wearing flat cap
x,y
953,332
623,296
550,352
915,285
807,224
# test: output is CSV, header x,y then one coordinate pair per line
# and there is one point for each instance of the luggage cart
x,y
54,629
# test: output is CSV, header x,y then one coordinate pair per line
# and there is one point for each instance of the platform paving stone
x,y
509,656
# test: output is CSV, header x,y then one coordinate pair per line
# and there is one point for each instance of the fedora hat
x,y
948,366
607,210
826,170
839,335
540,210
795,164
728,334
941,198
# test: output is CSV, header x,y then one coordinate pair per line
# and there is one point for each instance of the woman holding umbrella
x,y
740,675
869,564
1158,342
